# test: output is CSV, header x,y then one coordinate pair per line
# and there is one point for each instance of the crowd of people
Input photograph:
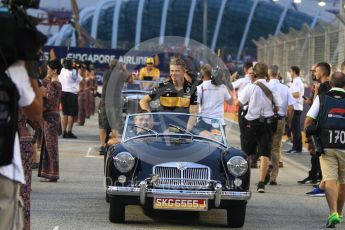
x,y
266,108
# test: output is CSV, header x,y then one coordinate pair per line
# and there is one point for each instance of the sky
x,y
307,6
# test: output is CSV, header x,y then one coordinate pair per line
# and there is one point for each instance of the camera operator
x,y
69,79
211,95
12,176
327,111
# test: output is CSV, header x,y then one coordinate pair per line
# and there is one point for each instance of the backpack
x,y
331,119
9,97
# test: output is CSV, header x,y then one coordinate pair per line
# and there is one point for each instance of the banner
x,y
101,57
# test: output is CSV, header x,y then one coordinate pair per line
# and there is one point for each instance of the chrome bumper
x,y
142,192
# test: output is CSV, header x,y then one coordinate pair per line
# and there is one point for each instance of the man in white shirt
x,y
285,111
69,79
11,176
239,85
297,92
258,120
211,96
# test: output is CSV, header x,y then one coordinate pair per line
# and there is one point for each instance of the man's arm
x,y
295,94
145,103
308,121
193,109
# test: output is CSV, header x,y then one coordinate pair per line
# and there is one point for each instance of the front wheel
x,y
116,210
236,215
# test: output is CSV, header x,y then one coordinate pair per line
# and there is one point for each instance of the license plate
x,y
189,204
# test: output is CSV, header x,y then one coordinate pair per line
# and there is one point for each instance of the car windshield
x,y
173,124
140,85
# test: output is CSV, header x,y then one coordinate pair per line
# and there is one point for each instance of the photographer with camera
x,y
327,114
69,79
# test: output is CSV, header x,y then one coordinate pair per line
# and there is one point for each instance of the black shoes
x,y
307,180
101,150
69,135
268,174
261,187
34,166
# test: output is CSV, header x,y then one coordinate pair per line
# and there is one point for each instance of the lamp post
x,y
204,29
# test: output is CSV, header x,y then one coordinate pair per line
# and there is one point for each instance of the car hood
x,y
156,151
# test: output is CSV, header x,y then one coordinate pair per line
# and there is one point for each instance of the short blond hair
x,y
177,61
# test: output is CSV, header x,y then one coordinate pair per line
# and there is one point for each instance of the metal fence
x,y
324,43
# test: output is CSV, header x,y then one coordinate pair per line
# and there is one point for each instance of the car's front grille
x,y
186,178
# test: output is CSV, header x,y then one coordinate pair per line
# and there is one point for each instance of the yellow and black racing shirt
x,y
172,100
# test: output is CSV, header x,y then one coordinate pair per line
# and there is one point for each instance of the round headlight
x,y
237,166
124,162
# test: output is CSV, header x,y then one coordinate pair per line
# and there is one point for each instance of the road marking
x,y
56,228
91,152
100,157
77,141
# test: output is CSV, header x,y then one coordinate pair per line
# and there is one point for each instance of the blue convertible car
x,y
174,161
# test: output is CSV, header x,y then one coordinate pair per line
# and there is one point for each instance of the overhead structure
x,y
230,25
82,34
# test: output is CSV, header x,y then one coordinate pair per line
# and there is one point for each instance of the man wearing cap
x,y
149,72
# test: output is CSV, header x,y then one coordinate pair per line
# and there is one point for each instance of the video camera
x,y
311,132
22,41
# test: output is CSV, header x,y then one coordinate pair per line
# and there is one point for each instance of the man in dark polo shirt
x,y
176,95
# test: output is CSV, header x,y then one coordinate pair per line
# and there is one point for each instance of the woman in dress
x,y
49,160
26,152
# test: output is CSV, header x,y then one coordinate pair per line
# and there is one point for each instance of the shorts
x,y
333,165
202,125
102,118
69,103
114,117
11,205
257,136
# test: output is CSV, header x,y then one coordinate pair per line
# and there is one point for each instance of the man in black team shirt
x,y
176,95
322,73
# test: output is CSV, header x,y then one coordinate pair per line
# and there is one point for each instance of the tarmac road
x,y
77,200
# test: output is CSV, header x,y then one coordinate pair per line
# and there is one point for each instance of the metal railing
x,y
324,43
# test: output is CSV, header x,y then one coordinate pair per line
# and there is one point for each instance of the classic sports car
x,y
132,94
162,164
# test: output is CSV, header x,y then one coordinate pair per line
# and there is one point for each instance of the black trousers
x,y
315,170
241,124
296,131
